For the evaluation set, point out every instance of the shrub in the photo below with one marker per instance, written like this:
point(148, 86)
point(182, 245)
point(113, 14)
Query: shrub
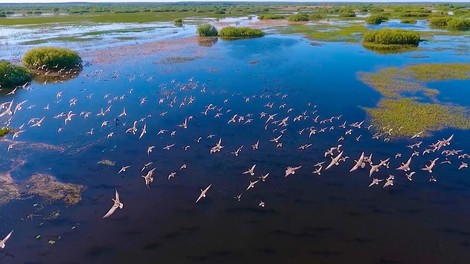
point(206, 30)
point(439, 21)
point(389, 36)
point(178, 21)
point(299, 17)
point(375, 19)
point(51, 58)
point(347, 13)
point(459, 24)
point(240, 32)
point(13, 75)
point(271, 16)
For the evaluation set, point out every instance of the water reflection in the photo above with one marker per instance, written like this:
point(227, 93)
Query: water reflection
point(207, 41)
point(55, 77)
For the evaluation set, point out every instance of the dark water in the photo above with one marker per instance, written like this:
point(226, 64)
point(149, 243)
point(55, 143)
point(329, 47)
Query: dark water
point(332, 218)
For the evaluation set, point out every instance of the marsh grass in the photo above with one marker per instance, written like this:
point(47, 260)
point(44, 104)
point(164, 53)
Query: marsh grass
point(390, 39)
point(407, 117)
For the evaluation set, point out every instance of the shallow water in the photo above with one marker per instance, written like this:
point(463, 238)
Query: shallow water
point(332, 218)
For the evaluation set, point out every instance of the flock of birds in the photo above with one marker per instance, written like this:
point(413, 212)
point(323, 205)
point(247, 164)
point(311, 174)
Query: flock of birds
point(277, 119)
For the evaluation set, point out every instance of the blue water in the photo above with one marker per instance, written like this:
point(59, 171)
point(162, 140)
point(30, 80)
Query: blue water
point(332, 218)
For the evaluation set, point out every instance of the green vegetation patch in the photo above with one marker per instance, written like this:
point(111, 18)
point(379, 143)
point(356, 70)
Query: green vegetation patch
point(349, 33)
point(406, 117)
point(240, 32)
point(62, 39)
point(13, 75)
point(51, 58)
point(388, 36)
point(459, 24)
point(271, 16)
point(439, 71)
point(299, 17)
point(439, 22)
point(206, 30)
point(347, 13)
point(50, 188)
point(376, 19)
point(408, 21)
point(4, 131)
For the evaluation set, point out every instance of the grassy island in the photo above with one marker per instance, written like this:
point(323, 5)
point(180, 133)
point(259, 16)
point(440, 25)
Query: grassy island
point(52, 59)
point(207, 30)
point(390, 39)
point(13, 75)
point(240, 32)
point(375, 19)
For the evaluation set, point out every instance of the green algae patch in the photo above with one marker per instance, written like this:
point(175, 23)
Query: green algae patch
point(406, 117)
point(50, 188)
point(8, 189)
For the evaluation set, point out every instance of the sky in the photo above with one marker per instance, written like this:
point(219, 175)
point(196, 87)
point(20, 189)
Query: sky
point(160, 1)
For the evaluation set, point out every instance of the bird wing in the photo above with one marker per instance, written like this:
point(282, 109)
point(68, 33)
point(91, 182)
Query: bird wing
point(110, 212)
point(117, 196)
point(7, 237)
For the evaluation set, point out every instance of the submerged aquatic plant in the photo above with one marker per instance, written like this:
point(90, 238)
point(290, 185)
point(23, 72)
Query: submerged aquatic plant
point(8, 189)
point(107, 163)
point(48, 187)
